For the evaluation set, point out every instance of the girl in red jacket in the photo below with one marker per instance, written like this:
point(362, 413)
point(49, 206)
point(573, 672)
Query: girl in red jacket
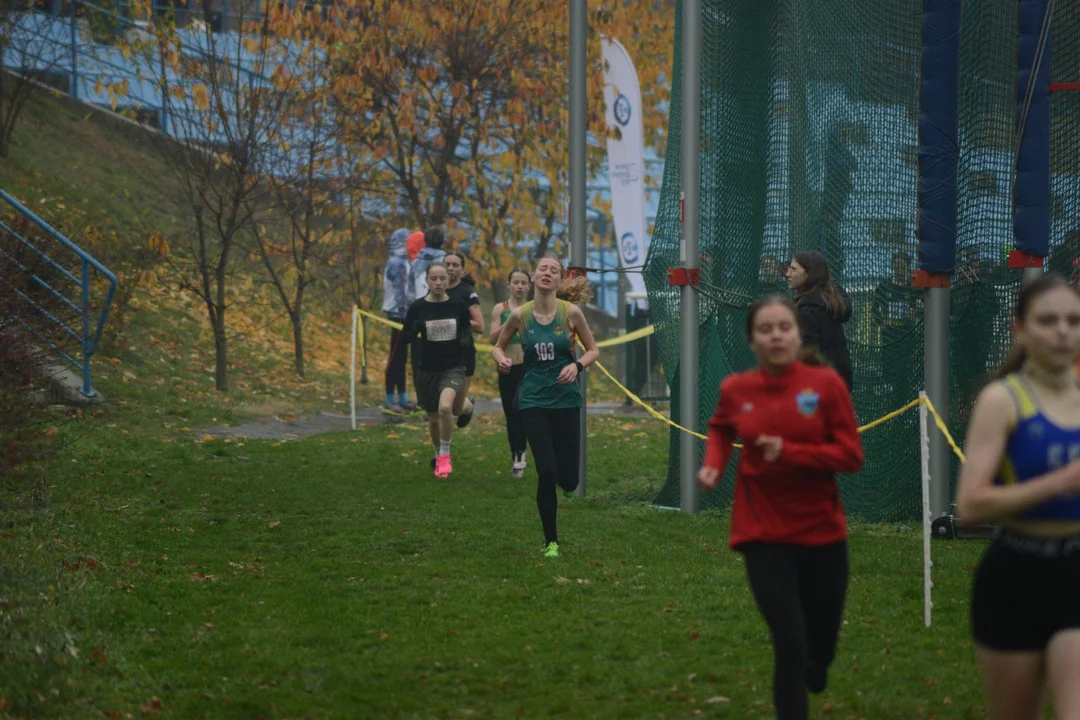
point(796, 422)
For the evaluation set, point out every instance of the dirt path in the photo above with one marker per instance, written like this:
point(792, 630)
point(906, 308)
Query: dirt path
point(278, 429)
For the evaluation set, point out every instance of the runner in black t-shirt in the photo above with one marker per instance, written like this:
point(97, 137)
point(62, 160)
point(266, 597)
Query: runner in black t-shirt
point(463, 288)
point(442, 324)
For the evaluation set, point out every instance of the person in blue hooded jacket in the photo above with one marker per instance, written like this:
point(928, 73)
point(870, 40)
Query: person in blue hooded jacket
point(396, 301)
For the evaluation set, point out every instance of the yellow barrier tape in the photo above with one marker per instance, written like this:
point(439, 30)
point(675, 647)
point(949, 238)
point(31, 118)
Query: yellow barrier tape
point(380, 318)
point(646, 331)
point(655, 413)
point(486, 347)
point(944, 430)
point(360, 338)
point(869, 426)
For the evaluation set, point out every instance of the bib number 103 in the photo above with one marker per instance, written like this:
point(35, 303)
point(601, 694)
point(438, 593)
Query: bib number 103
point(545, 351)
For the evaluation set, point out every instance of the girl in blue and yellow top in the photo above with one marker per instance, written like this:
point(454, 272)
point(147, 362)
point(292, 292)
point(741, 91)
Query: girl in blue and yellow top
point(519, 284)
point(1023, 473)
point(549, 397)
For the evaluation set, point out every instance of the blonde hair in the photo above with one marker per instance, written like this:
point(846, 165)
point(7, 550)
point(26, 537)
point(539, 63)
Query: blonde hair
point(573, 289)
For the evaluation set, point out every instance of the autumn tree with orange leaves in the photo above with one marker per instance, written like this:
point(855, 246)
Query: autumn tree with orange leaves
point(305, 237)
point(224, 109)
point(464, 104)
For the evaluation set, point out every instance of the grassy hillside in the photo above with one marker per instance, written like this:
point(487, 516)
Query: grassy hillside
point(104, 183)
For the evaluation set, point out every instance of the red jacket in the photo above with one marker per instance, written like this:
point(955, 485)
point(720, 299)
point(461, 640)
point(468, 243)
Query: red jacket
point(796, 498)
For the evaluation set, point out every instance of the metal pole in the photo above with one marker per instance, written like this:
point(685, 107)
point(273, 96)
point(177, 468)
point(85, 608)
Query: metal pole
point(1029, 274)
point(927, 523)
point(352, 369)
point(87, 350)
point(74, 52)
point(579, 26)
point(689, 499)
point(622, 317)
point(936, 379)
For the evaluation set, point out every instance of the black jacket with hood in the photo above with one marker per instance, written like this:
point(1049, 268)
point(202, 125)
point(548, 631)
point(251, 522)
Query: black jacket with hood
point(825, 331)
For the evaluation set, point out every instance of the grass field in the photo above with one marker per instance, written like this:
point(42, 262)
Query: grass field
point(176, 577)
point(150, 572)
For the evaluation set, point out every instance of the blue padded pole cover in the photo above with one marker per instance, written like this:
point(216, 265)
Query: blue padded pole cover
point(1031, 191)
point(939, 147)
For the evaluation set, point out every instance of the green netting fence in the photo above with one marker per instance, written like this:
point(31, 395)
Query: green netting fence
point(809, 122)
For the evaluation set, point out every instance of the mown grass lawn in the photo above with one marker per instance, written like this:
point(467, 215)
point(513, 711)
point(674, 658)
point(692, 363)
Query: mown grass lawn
point(333, 577)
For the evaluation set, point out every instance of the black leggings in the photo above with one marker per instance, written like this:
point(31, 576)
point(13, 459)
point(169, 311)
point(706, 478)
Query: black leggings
point(508, 389)
point(395, 366)
point(555, 439)
point(800, 591)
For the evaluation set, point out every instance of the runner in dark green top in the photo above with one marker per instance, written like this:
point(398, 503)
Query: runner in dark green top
point(549, 398)
point(519, 284)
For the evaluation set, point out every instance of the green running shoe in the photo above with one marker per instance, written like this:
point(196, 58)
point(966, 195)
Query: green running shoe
point(551, 550)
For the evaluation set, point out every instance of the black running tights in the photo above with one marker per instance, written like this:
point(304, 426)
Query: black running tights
point(395, 366)
point(508, 388)
point(800, 592)
point(555, 439)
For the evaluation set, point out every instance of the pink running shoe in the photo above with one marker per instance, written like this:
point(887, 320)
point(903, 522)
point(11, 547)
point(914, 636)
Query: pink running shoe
point(442, 467)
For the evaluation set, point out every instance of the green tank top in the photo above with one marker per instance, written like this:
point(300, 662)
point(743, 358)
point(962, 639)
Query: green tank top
point(548, 349)
point(516, 340)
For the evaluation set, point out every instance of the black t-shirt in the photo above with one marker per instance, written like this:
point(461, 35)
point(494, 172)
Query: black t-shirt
point(443, 329)
point(466, 293)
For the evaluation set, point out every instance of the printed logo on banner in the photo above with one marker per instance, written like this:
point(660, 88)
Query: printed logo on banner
point(622, 110)
point(629, 248)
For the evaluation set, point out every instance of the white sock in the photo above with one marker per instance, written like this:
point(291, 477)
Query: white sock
point(444, 447)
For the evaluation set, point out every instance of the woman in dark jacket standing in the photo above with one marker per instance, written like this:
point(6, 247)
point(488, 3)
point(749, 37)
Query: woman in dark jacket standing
point(824, 307)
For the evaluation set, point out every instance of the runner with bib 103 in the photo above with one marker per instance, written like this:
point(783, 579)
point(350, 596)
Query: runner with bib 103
point(549, 398)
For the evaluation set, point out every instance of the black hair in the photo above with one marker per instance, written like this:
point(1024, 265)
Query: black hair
point(435, 237)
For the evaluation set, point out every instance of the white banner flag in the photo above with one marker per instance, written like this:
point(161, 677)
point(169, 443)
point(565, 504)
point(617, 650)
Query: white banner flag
point(626, 160)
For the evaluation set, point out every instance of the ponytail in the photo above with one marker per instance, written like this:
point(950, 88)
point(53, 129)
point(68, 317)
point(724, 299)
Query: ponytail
point(575, 289)
point(810, 355)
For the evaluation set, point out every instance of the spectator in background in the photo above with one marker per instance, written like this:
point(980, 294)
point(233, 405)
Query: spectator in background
point(434, 239)
point(823, 307)
point(396, 302)
point(894, 312)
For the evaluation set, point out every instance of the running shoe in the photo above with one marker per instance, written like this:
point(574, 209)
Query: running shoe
point(518, 467)
point(394, 409)
point(463, 420)
point(551, 550)
point(409, 407)
point(442, 467)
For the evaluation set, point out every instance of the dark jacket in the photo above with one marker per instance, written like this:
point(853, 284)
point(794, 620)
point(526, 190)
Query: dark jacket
point(824, 331)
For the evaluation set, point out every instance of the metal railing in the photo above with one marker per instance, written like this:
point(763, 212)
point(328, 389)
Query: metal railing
point(90, 318)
